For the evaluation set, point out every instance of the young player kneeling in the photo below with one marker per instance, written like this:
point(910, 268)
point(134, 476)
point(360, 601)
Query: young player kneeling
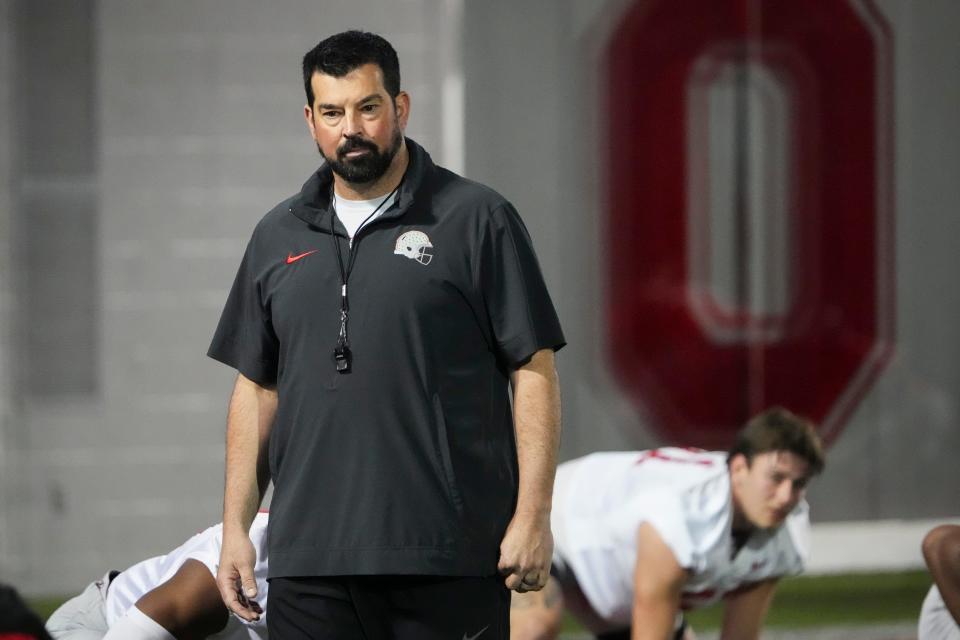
point(173, 596)
point(642, 536)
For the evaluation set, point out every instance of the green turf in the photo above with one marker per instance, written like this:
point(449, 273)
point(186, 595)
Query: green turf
point(813, 601)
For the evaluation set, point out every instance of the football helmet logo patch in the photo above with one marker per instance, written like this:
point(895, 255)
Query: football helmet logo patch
point(416, 246)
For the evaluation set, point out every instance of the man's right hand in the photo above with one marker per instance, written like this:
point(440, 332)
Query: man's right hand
point(235, 579)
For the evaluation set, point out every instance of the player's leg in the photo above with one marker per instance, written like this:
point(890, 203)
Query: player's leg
point(575, 602)
point(536, 615)
point(186, 606)
point(81, 617)
point(136, 624)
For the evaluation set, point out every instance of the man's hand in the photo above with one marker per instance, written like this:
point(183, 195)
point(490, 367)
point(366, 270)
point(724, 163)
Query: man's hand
point(527, 545)
point(249, 421)
point(526, 552)
point(235, 580)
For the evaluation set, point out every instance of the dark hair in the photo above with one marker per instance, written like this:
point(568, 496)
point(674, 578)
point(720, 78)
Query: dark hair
point(340, 54)
point(777, 429)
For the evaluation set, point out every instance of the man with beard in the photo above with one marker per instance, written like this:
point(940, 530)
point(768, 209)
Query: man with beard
point(377, 321)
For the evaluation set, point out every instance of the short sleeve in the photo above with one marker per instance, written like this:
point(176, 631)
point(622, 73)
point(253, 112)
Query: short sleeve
point(521, 314)
point(245, 339)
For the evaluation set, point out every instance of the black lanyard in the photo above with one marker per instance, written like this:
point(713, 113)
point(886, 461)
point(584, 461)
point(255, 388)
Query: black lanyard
point(342, 357)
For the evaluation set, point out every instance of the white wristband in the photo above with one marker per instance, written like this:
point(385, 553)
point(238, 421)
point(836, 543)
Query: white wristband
point(136, 625)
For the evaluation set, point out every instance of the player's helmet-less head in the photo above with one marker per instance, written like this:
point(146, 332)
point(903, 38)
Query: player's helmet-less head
point(416, 246)
point(777, 429)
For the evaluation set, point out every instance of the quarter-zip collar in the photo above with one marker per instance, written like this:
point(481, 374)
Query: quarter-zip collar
point(313, 204)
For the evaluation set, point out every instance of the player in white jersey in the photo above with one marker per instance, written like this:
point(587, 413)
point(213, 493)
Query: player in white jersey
point(642, 536)
point(173, 596)
point(940, 612)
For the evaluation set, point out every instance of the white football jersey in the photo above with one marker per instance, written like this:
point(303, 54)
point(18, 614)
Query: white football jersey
point(133, 583)
point(601, 500)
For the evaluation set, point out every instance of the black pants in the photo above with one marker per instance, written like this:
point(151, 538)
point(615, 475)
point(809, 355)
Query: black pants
point(388, 608)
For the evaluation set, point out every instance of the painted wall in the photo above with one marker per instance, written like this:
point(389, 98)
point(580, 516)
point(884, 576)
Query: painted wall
point(535, 129)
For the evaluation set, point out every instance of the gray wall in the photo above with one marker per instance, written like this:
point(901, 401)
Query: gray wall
point(195, 130)
point(7, 121)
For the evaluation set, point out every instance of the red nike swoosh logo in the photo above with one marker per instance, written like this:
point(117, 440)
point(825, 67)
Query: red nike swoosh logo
point(292, 258)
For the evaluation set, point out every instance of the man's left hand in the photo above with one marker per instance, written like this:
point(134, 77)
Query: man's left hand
point(526, 552)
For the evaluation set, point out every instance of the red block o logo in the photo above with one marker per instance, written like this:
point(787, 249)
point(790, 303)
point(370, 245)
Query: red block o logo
point(750, 229)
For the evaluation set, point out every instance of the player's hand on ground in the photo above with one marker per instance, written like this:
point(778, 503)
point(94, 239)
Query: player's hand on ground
point(235, 578)
point(526, 552)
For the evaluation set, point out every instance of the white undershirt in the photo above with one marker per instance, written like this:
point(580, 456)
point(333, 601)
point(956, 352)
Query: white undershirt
point(353, 213)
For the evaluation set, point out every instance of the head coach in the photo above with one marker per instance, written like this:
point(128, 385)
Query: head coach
point(378, 322)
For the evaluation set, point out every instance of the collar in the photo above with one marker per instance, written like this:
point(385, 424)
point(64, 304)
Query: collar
point(313, 204)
